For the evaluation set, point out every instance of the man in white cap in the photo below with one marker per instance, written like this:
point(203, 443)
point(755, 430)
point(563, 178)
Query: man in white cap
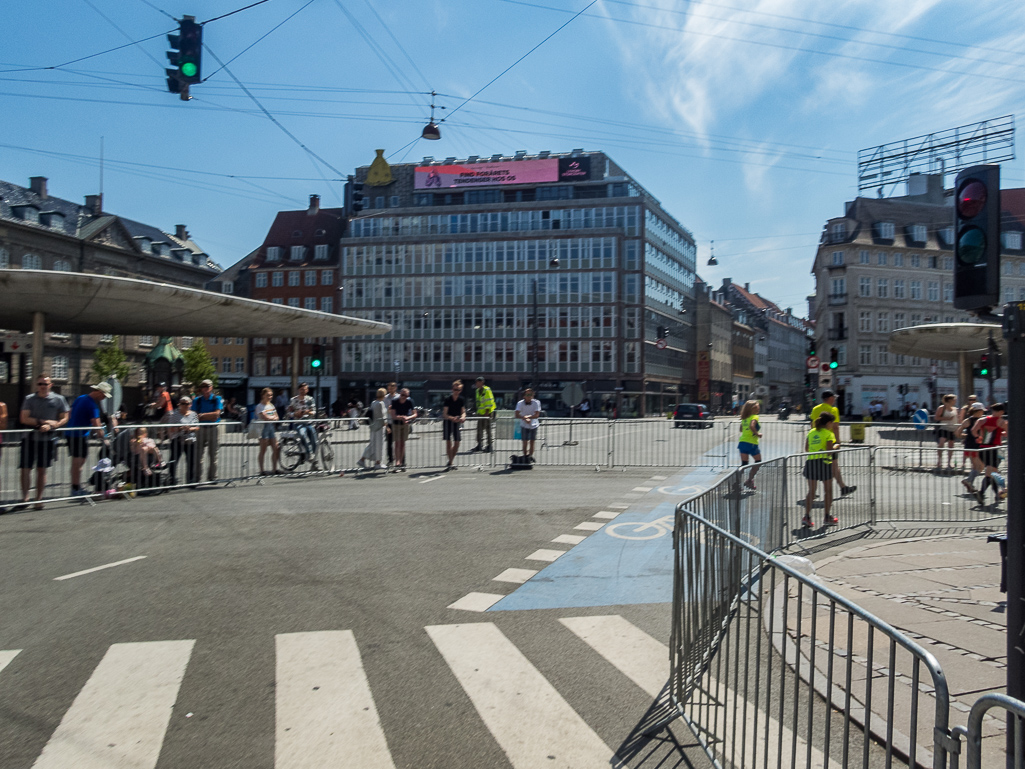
point(85, 413)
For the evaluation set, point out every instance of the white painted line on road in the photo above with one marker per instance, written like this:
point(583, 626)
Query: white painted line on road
point(476, 602)
point(643, 488)
point(544, 555)
point(619, 507)
point(436, 477)
point(99, 568)
point(528, 718)
point(589, 526)
point(606, 514)
point(325, 714)
point(120, 716)
point(659, 477)
point(569, 539)
point(645, 661)
point(7, 656)
point(517, 576)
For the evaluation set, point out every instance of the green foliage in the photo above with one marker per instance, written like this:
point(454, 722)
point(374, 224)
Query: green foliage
point(198, 365)
point(109, 361)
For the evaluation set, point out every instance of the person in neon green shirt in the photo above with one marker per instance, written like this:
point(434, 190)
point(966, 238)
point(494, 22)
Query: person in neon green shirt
point(819, 445)
point(750, 433)
point(828, 406)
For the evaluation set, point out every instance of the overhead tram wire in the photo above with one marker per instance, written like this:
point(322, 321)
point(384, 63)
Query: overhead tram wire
point(398, 45)
point(781, 46)
point(114, 24)
point(158, 10)
point(90, 56)
point(259, 39)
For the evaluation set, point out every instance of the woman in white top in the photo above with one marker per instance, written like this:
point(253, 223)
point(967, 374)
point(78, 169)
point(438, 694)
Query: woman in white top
point(527, 411)
point(267, 415)
point(946, 427)
point(377, 416)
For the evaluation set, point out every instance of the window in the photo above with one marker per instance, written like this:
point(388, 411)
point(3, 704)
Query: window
point(881, 258)
point(225, 365)
point(916, 319)
point(213, 339)
point(883, 288)
point(187, 342)
point(932, 262)
point(948, 263)
point(5, 259)
point(883, 355)
point(916, 261)
point(146, 341)
point(838, 286)
point(297, 253)
point(259, 366)
point(898, 260)
point(919, 233)
point(327, 304)
point(883, 323)
point(837, 259)
point(898, 289)
point(277, 300)
point(948, 292)
point(31, 262)
point(274, 253)
point(379, 201)
point(1008, 293)
point(275, 366)
point(1021, 269)
point(327, 277)
point(393, 201)
point(947, 236)
point(864, 355)
point(841, 354)
point(293, 301)
point(293, 277)
point(320, 252)
point(310, 303)
point(62, 265)
point(886, 230)
point(240, 340)
point(59, 367)
point(227, 340)
point(916, 289)
point(277, 279)
point(864, 257)
point(227, 287)
point(106, 338)
point(261, 280)
point(837, 232)
point(898, 320)
point(310, 278)
point(240, 365)
point(933, 294)
point(865, 321)
point(864, 286)
point(1012, 240)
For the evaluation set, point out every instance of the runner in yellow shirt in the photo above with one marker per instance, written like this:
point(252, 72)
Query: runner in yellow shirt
point(750, 433)
point(818, 467)
point(828, 406)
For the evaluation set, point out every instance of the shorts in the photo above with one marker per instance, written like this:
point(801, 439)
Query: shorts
point(749, 448)
point(450, 430)
point(400, 431)
point(528, 433)
point(78, 444)
point(267, 432)
point(990, 457)
point(35, 453)
point(818, 470)
point(943, 434)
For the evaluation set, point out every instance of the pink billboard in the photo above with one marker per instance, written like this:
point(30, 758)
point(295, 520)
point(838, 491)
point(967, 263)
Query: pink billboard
point(486, 174)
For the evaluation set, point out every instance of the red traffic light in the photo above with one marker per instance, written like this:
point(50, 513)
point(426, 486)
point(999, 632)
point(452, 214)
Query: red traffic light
point(971, 198)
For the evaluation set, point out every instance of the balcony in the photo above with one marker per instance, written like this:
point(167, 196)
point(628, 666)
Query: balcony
point(837, 334)
point(838, 298)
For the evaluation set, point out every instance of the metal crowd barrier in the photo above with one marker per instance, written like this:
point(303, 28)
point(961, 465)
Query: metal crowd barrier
point(973, 734)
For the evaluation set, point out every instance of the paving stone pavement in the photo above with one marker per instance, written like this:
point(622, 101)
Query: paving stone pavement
point(944, 593)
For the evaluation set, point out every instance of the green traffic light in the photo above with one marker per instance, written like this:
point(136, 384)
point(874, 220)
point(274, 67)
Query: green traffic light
point(315, 363)
point(983, 372)
point(833, 364)
point(189, 69)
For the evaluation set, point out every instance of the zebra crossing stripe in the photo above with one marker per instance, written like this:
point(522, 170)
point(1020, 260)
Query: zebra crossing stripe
point(119, 718)
point(645, 661)
point(528, 718)
point(325, 713)
point(7, 656)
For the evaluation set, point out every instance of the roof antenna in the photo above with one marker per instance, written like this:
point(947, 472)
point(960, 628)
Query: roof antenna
point(431, 130)
point(712, 261)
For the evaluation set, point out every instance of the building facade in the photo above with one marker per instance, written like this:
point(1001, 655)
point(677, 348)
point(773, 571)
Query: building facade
point(714, 370)
point(547, 268)
point(888, 264)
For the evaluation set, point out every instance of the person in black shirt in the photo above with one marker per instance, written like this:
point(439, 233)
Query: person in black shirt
point(403, 414)
point(453, 414)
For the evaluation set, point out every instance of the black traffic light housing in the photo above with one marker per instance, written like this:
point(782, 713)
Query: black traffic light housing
point(317, 359)
point(977, 238)
point(834, 355)
point(357, 201)
point(661, 332)
point(185, 56)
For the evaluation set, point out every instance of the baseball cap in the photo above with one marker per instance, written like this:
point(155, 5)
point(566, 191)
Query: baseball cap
point(479, 379)
point(206, 382)
point(104, 388)
point(976, 407)
point(827, 393)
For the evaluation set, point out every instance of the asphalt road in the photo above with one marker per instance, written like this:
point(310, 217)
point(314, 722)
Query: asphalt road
point(275, 593)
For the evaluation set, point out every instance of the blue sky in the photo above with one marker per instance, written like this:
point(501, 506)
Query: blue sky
point(743, 118)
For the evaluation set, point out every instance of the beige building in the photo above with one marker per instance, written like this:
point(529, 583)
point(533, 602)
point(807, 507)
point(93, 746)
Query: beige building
point(714, 371)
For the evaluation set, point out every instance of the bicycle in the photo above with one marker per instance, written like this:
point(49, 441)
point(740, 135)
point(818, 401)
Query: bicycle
point(293, 451)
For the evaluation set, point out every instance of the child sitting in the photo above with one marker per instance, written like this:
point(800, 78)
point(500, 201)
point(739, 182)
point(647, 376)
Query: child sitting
point(145, 447)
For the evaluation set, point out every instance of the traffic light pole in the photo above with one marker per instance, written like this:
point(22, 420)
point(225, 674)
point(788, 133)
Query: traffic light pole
point(1014, 331)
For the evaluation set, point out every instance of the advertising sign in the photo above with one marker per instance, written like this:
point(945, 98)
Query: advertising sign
point(704, 369)
point(574, 169)
point(487, 174)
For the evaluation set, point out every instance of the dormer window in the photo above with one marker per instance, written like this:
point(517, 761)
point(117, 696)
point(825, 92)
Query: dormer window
point(947, 236)
point(298, 253)
point(26, 212)
point(886, 230)
point(273, 253)
point(297, 233)
point(320, 251)
point(837, 232)
point(1012, 240)
point(919, 233)
point(52, 219)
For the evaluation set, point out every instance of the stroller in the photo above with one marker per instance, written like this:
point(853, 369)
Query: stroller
point(120, 470)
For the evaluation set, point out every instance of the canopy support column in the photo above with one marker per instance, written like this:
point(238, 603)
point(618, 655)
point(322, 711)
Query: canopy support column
point(38, 332)
point(295, 366)
point(965, 380)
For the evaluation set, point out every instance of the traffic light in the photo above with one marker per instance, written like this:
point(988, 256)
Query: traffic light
point(977, 238)
point(811, 349)
point(318, 357)
point(983, 368)
point(185, 56)
point(358, 201)
point(834, 354)
point(661, 332)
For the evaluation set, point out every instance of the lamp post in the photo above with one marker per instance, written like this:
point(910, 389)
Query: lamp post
point(534, 335)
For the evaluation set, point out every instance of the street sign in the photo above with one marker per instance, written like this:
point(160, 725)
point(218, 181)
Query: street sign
point(920, 418)
point(825, 380)
point(661, 344)
point(812, 361)
point(14, 342)
point(572, 394)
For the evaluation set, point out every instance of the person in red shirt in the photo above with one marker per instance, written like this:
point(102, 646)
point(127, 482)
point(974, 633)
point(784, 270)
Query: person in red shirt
point(989, 433)
point(161, 404)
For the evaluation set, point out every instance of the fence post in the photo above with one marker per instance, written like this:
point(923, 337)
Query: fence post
point(784, 505)
point(610, 459)
point(872, 485)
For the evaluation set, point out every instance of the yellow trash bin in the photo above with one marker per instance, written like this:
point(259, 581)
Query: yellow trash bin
point(857, 432)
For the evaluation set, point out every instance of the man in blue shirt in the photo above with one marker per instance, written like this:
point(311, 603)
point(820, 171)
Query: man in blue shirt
point(208, 406)
point(85, 412)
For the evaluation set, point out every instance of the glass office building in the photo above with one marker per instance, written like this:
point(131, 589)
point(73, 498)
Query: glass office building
point(545, 269)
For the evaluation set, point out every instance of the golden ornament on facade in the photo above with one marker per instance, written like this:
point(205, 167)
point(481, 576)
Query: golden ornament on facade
point(380, 171)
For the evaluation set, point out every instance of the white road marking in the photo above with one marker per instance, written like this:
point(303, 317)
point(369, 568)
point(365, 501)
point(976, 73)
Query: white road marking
point(633, 496)
point(544, 555)
point(645, 661)
point(619, 507)
point(7, 656)
point(517, 576)
point(643, 488)
point(606, 514)
point(99, 568)
point(436, 477)
point(528, 718)
point(325, 714)
point(119, 719)
point(476, 601)
point(658, 477)
point(569, 539)
point(589, 526)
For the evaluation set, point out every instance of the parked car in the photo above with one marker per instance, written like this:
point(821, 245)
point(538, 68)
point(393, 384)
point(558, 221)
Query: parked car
point(692, 415)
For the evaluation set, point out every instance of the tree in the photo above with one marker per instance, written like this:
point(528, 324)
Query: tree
point(198, 365)
point(109, 361)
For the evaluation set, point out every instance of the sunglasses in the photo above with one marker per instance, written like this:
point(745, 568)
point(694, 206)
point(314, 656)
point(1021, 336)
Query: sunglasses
point(42, 384)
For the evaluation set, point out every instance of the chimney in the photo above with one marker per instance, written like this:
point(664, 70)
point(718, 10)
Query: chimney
point(747, 287)
point(95, 204)
point(180, 232)
point(314, 208)
point(38, 185)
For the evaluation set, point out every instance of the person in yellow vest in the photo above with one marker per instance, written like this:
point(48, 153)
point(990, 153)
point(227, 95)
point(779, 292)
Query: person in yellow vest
point(818, 466)
point(828, 406)
point(750, 434)
point(484, 401)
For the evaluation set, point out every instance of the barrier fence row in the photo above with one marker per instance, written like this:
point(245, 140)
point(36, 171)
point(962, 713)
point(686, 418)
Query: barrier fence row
point(771, 668)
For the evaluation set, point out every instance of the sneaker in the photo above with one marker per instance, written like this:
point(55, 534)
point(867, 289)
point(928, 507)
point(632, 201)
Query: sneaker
point(848, 490)
point(314, 467)
point(750, 485)
point(488, 450)
point(830, 520)
point(807, 522)
point(478, 447)
point(968, 486)
point(980, 498)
